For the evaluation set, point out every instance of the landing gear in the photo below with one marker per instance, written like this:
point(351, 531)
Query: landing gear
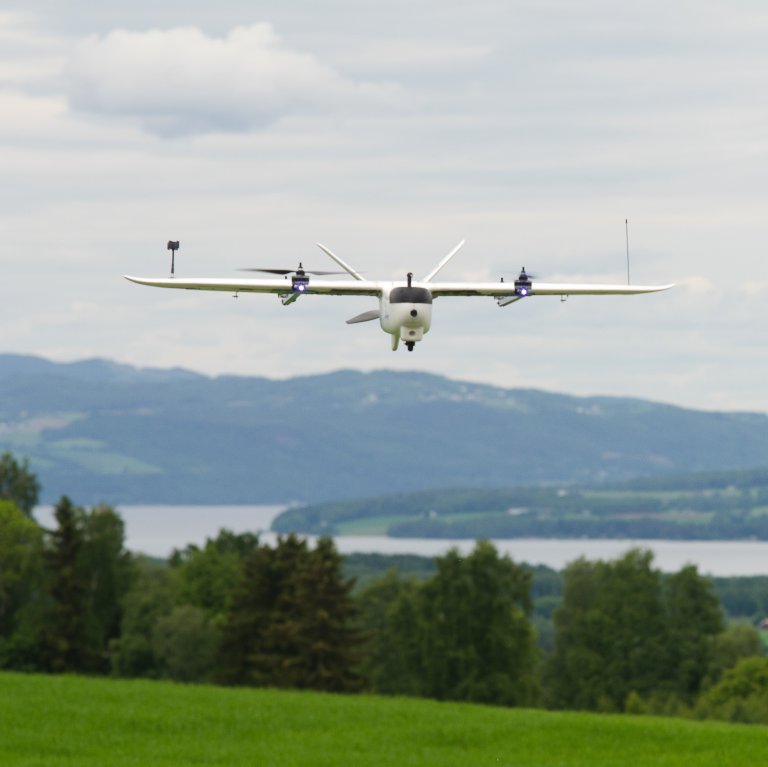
point(410, 345)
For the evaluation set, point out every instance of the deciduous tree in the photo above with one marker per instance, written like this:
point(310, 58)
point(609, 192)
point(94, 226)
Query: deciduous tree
point(694, 619)
point(740, 696)
point(464, 634)
point(150, 598)
point(389, 613)
point(623, 628)
point(17, 483)
point(610, 634)
point(21, 544)
point(107, 571)
point(184, 644)
point(733, 644)
point(206, 576)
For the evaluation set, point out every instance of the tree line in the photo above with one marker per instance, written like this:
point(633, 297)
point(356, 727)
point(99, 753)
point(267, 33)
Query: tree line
point(237, 611)
point(710, 511)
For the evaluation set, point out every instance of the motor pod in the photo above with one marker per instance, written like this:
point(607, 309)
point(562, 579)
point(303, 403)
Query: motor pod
point(523, 284)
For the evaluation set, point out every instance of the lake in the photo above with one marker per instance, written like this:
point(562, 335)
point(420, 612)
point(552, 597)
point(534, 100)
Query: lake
point(157, 530)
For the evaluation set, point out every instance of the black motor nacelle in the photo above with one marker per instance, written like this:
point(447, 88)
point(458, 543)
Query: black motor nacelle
point(299, 280)
point(523, 284)
point(299, 283)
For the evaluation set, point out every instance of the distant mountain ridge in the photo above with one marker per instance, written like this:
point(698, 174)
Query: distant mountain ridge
point(98, 430)
point(94, 370)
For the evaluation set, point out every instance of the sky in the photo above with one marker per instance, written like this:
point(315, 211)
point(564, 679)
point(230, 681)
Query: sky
point(390, 132)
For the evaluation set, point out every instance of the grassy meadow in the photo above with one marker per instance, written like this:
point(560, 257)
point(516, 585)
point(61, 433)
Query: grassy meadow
point(52, 721)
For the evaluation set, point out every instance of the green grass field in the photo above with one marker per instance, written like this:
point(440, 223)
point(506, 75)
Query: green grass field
point(52, 721)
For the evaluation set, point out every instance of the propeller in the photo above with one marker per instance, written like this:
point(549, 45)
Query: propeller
point(523, 274)
point(299, 270)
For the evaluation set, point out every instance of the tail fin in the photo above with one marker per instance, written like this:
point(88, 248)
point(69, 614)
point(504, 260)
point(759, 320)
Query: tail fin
point(344, 266)
point(429, 277)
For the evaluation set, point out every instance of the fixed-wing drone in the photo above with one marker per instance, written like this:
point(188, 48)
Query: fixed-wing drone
point(405, 307)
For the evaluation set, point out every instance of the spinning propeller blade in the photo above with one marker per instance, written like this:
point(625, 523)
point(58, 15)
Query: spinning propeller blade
point(299, 270)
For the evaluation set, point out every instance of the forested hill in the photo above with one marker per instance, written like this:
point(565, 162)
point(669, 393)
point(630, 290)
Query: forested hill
point(97, 430)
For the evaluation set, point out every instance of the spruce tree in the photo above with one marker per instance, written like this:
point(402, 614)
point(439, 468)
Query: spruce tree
point(63, 635)
point(290, 621)
point(328, 643)
point(88, 574)
point(250, 605)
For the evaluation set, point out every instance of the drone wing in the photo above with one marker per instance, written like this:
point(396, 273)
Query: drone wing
point(510, 290)
point(319, 287)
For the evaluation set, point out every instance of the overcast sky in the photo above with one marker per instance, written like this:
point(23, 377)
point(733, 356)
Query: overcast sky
point(389, 132)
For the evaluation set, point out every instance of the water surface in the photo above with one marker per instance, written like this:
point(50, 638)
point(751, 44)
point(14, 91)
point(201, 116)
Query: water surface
point(157, 530)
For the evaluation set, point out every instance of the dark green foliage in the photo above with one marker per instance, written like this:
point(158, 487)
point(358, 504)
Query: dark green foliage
point(330, 644)
point(694, 618)
point(389, 612)
point(251, 650)
point(745, 597)
point(464, 634)
point(184, 645)
point(744, 479)
point(712, 511)
point(366, 568)
point(479, 644)
point(88, 572)
point(291, 621)
point(172, 619)
point(622, 628)
point(206, 576)
point(63, 635)
point(150, 598)
point(18, 484)
point(107, 570)
point(734, 525)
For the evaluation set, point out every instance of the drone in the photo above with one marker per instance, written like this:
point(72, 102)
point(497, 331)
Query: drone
point(405, 306)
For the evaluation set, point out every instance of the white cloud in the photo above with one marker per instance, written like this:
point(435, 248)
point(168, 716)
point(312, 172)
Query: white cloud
point(28, 57)
point(181, 81)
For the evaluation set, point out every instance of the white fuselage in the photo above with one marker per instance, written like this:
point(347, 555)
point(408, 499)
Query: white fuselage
point(405, 313)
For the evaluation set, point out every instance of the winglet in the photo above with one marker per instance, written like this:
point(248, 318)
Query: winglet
point(434, 272)
point(344, 266)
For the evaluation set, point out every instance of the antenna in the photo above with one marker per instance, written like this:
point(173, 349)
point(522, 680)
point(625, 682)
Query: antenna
point(173, 247)
point(626, 233)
